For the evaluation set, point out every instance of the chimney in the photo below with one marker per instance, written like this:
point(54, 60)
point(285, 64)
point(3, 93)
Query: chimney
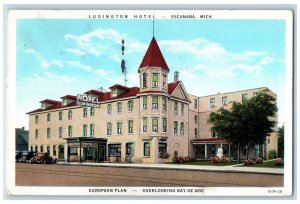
point(176, 76)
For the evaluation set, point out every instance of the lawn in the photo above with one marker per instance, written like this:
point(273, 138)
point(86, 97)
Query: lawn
point(208, 163)
point(267, 164)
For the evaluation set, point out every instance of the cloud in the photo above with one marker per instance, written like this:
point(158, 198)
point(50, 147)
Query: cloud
point(44, 64)
point(212, 59)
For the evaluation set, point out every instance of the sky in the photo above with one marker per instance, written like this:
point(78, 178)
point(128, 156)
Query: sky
point(56, 57)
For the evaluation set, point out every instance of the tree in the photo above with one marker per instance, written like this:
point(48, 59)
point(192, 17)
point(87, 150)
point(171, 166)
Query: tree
point(281, 142)
point(246, 123)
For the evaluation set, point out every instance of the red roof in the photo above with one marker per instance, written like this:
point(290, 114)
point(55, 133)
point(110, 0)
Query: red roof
point(118, 86)
point(69, 97)
point(93, 91)
point(49, 101)
point(54, 106)
point(154, 57)
point(128, 93)
point(172, 86)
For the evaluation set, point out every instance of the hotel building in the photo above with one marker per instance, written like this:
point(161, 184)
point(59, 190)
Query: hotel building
point(144, 124)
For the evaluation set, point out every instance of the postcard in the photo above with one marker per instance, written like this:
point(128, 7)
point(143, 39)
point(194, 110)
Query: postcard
point(149, 102)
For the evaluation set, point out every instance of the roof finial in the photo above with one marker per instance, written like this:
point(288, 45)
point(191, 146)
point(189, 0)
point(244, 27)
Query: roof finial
point(153, 28)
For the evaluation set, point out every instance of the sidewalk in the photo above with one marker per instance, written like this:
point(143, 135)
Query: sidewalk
point(181, 167)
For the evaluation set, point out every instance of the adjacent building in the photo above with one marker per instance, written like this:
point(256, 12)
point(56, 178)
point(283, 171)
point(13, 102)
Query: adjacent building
point(21, 139)
point(145, 124)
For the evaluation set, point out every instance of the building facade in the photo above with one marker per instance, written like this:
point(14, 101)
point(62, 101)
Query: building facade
point(145, 124)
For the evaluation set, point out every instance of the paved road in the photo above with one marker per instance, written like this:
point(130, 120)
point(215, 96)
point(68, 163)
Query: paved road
point(67, 175)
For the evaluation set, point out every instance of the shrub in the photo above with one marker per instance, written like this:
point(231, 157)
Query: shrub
point(278, 162)
point(218, 160)
point(258, 160)
point(272, 154)
point(248, 162)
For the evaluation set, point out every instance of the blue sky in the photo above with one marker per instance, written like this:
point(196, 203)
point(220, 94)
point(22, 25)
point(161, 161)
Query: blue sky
point(58, 57)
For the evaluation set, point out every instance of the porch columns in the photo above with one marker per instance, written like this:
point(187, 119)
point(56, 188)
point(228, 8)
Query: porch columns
point(205, 151)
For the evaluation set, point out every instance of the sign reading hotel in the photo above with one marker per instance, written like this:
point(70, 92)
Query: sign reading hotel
point(87, 101)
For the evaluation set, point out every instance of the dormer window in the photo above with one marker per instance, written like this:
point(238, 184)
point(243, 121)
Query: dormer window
point(42, 105)
point(114, 93)
point(64, 102)
point(155, 80)
point(144, 80)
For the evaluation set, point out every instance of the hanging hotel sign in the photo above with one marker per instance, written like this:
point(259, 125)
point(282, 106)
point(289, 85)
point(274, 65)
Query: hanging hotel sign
point(87, 101)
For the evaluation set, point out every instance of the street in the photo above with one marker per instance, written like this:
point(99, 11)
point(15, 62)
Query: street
point(72, 175)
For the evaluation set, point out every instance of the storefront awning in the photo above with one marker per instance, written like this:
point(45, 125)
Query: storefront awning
point(209, 141)
point(85, 139)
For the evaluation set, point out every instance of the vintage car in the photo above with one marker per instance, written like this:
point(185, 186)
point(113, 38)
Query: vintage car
point(24, 156)
point(43, 158)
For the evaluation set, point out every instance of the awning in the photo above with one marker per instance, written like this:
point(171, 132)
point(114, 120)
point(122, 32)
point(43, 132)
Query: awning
point(213, 140)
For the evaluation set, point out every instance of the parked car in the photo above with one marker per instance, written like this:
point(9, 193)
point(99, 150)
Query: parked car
point(24, 156)
point(43, 158)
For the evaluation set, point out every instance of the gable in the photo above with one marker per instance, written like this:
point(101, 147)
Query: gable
point(180, 93)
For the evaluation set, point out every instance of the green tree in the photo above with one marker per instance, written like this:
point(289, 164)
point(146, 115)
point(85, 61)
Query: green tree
point(246, 123)
point(281, 142)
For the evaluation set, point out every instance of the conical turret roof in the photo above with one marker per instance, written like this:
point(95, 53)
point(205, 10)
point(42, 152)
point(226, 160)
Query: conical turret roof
point(154, 57)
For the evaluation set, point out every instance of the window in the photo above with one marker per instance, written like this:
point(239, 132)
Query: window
point(154, 125)
point(92, 129)
point(195, 103)
point(144, 80)
point(60, 132)
point(164, 103)
point(196, 119)
point(144, 102)
point(182, 108)
point(224, 101)
point(42, 148)
point(31, 148)
point(48, 149)
point(244, 96)
point(130, 105)
point(64, 102)
point(85, 112)
point(130, 126)
point(129, 149)
point(84, 130)
point(92, 112)
point(255, 94)
point(175, 107)
point(164, 124)
point(70, 131)
point(36, 119)
point(48, 133)
point(144, 124)
point(36, 148)
point(154, 102)
point(70, 115)
point(212, 102)
point(147, 149)
point(54, 150)
point(164, 84)
point(43, 106)
point(175, 127)
point(48, 117)
point(155, 80)
point(119, 127)
point(119, 107)
point(114, 150)
point(36, 133)
point(181, 128)
point(113, 92)
point(162, 149)
point(196, 133)
point(60, 115)
point(108, 108)
point(109, 127)
point(269, 141)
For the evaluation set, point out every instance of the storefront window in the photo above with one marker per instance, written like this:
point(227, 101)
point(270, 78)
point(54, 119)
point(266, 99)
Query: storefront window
point(114, 150)
point(146, 149)
point(162, 149)
point(54, 150)
point(129, 149)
